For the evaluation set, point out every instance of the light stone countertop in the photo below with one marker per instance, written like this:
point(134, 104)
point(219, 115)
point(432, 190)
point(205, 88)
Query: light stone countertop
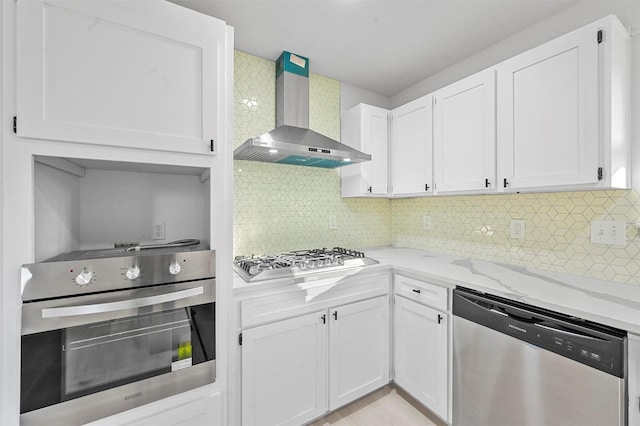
point(606, 302)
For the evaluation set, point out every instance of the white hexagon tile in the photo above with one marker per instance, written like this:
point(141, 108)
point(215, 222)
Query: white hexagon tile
point(279, 207)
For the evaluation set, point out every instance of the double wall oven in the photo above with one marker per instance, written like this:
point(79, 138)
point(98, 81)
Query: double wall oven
point(104, 331)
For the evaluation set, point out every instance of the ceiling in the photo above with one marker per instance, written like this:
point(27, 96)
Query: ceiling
point(380, 45)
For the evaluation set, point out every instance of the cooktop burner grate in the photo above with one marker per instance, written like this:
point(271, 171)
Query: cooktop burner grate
point(299, 262)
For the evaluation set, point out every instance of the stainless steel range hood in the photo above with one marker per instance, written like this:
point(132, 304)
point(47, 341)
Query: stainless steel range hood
point(292, 142)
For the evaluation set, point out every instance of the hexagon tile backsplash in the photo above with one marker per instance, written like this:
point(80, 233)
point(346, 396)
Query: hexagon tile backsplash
point(557, 230)
point(279, 208)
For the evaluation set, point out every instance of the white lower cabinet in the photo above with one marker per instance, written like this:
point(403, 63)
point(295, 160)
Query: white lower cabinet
point(421, 349)
point(296, 369)
point(284, 371)
point(358, 350)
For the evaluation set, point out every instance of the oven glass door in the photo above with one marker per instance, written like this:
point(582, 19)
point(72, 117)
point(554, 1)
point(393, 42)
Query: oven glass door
point(64, 364)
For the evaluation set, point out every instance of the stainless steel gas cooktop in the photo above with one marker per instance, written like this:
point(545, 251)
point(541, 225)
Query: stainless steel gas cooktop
point(300, 262)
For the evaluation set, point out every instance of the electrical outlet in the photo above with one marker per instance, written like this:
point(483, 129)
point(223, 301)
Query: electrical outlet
point(333, 222)
point(517, 229)
point(426, 222)
point(158, 231)
point(609, 232)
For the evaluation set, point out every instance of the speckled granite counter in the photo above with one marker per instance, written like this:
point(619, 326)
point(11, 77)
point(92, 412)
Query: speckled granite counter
point(606, 302)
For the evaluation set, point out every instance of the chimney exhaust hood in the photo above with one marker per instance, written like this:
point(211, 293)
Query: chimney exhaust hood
point(292, 142)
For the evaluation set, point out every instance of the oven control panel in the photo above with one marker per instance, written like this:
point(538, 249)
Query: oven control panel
point(74, 277)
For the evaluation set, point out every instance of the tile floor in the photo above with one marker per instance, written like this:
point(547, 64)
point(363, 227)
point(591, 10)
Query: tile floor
point(387, 406)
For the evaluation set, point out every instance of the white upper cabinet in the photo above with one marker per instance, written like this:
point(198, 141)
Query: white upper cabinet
point(412, 147)
point(365, 128)
point(563, 112)
point(465, 135)
point(131, 74)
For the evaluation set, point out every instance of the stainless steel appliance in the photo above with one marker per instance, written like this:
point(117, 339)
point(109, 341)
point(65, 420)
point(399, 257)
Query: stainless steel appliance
point(105, 331)
point(515, 364)
point(299, 263)
point(292, 142)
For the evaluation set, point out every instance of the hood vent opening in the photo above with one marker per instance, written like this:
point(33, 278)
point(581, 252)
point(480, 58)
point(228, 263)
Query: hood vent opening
point(292, 142)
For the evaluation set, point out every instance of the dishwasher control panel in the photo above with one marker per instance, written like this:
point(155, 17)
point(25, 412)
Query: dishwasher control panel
point(588, 343)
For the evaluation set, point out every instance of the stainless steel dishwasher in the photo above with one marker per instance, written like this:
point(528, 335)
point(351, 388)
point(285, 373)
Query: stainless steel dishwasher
point(518, 365)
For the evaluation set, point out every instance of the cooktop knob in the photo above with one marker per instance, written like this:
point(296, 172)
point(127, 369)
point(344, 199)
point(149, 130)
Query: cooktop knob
point(175, 268)
point(84, 277)
point(133, 272)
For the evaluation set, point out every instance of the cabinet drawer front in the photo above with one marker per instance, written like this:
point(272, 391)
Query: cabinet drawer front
point(422, 292)
point(291, 302)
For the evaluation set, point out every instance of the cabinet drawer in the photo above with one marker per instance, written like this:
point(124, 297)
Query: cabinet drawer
point(422, 292)
point(291, 302)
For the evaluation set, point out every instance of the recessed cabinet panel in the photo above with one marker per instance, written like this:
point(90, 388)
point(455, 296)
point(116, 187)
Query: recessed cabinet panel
point(376, 171)
point(284, 371)
point(139, 74)
point(412, 148)
point(420, 353)
point(358, 350)
point(465, 141)
point(549, 114)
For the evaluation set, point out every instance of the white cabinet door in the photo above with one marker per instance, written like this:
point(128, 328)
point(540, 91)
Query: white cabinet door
point(412, 147)
point(284, 371)
point(365, 127)
point(358, 350)
point(420, 353)
point(548, 114)
point(465, 135)
point(143, 74)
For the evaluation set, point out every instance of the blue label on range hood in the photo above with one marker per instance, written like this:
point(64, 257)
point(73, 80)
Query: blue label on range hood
point(303, 160)
point(292, 63)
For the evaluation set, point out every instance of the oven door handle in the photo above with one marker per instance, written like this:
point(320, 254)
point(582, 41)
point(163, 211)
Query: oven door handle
point(68, 311)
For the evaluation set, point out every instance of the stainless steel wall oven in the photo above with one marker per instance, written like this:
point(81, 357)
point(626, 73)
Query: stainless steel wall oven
point(104, 331)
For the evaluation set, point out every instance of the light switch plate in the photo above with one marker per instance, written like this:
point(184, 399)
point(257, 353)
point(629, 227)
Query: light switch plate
point(609, 232)
point(426, 222)
point(333, 222)
point(517, 229)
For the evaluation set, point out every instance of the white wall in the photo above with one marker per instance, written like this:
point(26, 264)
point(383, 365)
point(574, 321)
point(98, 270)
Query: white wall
point(351, 96)
point(123, 206)
point(106, 206)
point(57, 212)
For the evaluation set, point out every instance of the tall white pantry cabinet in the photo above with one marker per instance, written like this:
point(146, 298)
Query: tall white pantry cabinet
point(124, 84)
